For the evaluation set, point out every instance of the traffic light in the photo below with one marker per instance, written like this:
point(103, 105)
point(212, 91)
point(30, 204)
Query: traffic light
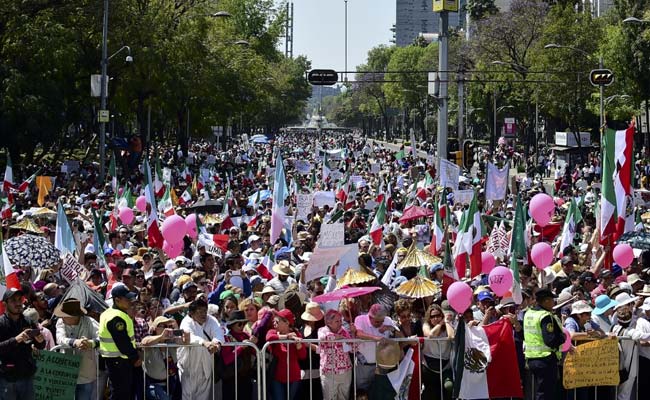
point(603, 77)
point(458, 158)
point(468, 154)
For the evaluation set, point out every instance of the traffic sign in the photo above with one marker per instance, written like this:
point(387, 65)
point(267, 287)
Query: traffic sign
point(322, 77)
point(103, 116)
point(601, 77)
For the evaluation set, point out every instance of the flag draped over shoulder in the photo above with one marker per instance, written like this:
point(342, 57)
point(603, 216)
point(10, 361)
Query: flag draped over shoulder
point(503, 370)
point(616, 203)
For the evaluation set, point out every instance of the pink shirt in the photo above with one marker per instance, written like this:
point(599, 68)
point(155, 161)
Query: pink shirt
point(333, 358)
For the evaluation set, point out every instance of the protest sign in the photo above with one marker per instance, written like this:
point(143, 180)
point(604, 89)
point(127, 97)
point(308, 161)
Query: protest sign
point(322, 198)
point(323, 259)
point(336, 174)
point(302, 166)
point(592, 364)
point(303, 204)
point(375, 168)
point(331, 235)
point(56, 375)
point(71, 268)
point(449, 174)
point(463, 196)
point(496, 183)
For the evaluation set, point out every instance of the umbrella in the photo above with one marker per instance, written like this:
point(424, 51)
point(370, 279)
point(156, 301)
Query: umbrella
point(32, 251)
point(91, 301)
point(212, 219)
point(418, 258)
point(415, 212)
point(44, 212)
point(207, 206)
point(354, 277)
point(27, 225)
point(638, 240)
point(418, 288)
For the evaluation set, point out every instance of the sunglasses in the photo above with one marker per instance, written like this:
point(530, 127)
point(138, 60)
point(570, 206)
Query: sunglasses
point(435, 316)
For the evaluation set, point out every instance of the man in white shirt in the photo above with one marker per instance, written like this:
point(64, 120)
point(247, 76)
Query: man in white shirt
point(376, 325)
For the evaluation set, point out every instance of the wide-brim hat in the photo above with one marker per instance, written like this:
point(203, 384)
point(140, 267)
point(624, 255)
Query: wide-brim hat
point(604, 303)
point(580, 307)
point(312, 312)
point(69, 308)
point(235, 317)
point(160, 320)
point(563, 299)
point(624, 299)
point(283, 268)
point(645, 292)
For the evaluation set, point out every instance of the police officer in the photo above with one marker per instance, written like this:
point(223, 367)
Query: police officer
point(543, 337)
point(117, 343)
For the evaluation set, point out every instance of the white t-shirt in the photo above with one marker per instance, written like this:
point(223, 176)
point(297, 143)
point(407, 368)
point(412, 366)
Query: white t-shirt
point(368, 350)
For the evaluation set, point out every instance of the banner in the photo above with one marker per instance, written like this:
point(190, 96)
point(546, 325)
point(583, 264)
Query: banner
point(71, 269)
point(496, 183)
point(331, 235)
point(504, 361)
point(303, 205)
point(56, 375)
point(302, 166)
point(592, 364)
point(449, 174)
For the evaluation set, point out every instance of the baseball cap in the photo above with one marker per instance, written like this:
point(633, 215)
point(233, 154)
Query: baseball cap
point(253, 238)
point(11, 292)
point(485, 295)
point(122, 291)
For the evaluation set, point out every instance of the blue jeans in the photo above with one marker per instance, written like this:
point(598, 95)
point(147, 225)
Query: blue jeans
point(279, 390)
point(22, 389)
point(157, 391)
point(84, 391)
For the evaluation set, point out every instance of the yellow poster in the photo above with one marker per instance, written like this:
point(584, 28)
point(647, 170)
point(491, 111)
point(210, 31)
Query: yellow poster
point(445, 5)
point(592, 364)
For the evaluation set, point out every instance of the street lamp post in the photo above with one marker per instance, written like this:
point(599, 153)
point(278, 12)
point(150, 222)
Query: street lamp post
point(634, 20)
point(346, 41)
point(102, 95)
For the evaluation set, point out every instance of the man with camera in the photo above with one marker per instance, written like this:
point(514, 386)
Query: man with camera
point(17, 336)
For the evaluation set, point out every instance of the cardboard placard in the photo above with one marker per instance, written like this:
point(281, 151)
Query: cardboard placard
point(71, 269)
point(303, 204)
point(449, 174)
point(331, 235)
point(592, 364)
point(56, 375)
point(322, 198)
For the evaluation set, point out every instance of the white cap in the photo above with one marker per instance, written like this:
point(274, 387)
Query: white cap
point(253, 238)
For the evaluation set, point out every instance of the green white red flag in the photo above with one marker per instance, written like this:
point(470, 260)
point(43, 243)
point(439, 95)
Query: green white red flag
point(9, 175)
point(154, 236)
point(377, 228)
point(469, 240)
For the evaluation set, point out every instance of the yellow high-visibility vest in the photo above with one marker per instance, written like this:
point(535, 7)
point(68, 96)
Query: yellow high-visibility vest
point(533, 339)
point(107, 346)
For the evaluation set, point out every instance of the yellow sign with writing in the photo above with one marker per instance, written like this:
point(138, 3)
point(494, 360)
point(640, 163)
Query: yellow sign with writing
point(445, 5)
point(592, 364)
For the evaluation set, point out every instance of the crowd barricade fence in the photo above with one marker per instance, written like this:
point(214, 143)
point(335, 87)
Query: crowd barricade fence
point(262, 359)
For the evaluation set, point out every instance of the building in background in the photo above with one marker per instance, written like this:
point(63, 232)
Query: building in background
point(413, 17)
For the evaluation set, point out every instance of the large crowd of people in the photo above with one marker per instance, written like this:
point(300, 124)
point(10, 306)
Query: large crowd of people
point(208, 317)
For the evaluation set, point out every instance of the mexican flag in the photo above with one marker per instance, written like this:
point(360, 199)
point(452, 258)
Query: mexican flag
point(343, 188)
point(25, 185)
point(154, 237)
point(159, 186)
point(279, 195)
point(166, 206)
point(226, 222)
point(377, 227)
point(186, 197)
point(112, 172)
point(573, 218)
point(266, 265)
point(517, 250)
point(9, 175)
point(469, 240)
point(8, 277)
point(7, 206)
point(616, 202)
point(435, 247)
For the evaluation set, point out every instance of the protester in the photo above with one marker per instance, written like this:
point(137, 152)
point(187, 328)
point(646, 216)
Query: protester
point(286, 377)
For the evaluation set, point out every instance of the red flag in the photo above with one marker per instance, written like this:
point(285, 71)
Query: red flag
point(503, 370)
point(221, 241)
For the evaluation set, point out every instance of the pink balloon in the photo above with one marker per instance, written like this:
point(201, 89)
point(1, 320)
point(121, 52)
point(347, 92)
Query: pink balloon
point(623, 255)
point(566, 346)
point(174, 228)
point(172, 250)
point(126, 215)
point(542, 208)
point(500, 280)
point(459, 296)
point(541, 254)
point(190, 221)
point(487, 262)
point(141, 203)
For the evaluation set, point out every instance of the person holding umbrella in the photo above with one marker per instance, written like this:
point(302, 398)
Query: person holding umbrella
point(17, 337)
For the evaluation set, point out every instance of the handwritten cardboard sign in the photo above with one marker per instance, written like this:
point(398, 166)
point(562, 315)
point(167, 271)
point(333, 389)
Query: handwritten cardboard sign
point(303, 204)
point(331, 235)
point(592, 364)
point(71, 268)
point(56, 375)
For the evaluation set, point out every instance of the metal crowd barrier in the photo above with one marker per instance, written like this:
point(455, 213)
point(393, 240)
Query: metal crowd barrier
point(263, 381)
